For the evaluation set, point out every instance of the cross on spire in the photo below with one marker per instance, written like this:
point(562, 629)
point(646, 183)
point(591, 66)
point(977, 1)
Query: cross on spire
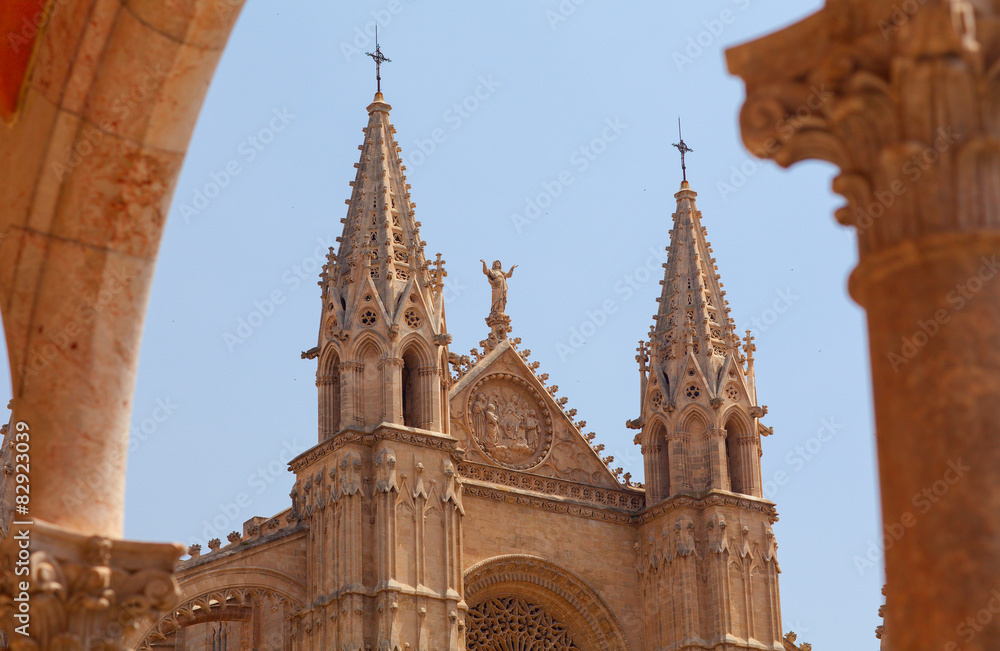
point(683, 148)
point(379, 59)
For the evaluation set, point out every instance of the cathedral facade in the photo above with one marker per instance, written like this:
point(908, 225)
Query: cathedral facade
point(452, 502)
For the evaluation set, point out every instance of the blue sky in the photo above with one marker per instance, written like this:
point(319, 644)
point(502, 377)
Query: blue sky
point(568, 106)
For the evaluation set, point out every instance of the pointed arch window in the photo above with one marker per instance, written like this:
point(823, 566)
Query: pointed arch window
point(414, 400)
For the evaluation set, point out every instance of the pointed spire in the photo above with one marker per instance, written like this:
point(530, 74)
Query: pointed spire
point(381, 238)
point(693, 314)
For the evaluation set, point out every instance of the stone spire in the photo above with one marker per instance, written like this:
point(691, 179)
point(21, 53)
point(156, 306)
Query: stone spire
point(692, 324)
point(381, 239)
point(701, 442)
point(697, 386)
point(382, 342)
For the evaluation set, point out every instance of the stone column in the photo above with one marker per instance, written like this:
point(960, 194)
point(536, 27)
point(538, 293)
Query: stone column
point(680, 473)
point(908, 106)
point(430, 404)
point(715, 443)
point(352, 396)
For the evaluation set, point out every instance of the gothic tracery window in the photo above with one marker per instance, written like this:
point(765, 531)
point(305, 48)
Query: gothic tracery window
point(513, 624)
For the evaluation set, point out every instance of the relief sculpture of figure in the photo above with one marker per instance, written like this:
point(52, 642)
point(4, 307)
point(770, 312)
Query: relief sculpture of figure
point(498, 281)
point(530, 425)
point(492, 425)
point(479, 416)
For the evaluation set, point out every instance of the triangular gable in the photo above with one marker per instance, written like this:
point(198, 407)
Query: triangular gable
point(504, 416)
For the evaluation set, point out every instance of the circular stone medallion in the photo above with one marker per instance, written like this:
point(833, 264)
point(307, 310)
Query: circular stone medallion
point(509, 422)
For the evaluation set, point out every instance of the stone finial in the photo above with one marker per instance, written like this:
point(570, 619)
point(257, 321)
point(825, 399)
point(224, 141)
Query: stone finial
point(234, 537)
point(194, 551)
point(214, 544)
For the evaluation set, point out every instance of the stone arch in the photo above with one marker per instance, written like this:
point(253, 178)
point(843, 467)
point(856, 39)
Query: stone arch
point(659, 466)
point(369, 384)
point(564, 596)
point(65, 235)
point(228, 594)
point(415, 383)
point(694, 468)
point(418, 344)
point(695, 420)
point(329, 385)
point(740, 452)
point(367, 340)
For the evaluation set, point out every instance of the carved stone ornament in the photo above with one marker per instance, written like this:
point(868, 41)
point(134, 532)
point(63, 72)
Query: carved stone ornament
point(84, 592)
point(503, 623)
point(509, 422)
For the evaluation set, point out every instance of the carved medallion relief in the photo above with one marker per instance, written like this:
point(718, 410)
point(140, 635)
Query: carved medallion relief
point(509, 422)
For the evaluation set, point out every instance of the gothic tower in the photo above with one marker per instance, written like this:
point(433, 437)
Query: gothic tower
point(707, 552)
point(380, 491)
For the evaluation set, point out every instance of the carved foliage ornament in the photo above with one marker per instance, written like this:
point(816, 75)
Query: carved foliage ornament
point(905, 106)
point(513, 624)
point(86, 592)
point(509, 422)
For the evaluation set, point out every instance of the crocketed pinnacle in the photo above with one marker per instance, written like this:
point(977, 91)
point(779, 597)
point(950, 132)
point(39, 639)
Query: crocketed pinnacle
point(381, 238)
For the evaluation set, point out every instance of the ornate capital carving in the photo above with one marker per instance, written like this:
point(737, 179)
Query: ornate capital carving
point(424, 371)
point(907, 106)
point(390, 362)
point(676, 435)
point(83, 592)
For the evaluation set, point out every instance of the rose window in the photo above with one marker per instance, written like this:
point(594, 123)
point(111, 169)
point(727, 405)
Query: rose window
point(368, 317)
point(692, 391)
point(511, 623)
point(412, 318)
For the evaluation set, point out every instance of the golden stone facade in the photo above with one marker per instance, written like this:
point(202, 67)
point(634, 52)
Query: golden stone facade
point(452, 502)
point(422, 519)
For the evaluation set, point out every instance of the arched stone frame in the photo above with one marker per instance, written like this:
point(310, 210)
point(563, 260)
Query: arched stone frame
point(225, 594)
point(693, 423)
point(329, 383)
point(367, 383)
point(566, 596)
point(741, 453)
point(415, 384)
point(659, 458)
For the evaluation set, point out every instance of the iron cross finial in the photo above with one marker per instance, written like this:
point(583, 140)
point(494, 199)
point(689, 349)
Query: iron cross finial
point(683, 148)
point(379, 59)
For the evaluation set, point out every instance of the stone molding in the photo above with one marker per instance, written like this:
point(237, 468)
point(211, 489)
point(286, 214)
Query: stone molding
point(556, 488)
point(381, 432)
point(712, 498)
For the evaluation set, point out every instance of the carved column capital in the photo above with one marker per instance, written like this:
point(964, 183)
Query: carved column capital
point(906, 104)
point(676, 435)
point(396, 362)
point(83, 592)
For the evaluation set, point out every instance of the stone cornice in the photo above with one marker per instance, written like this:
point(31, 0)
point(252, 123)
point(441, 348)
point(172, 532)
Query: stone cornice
point(529, 486)
point(552, 504)
point(702, 501)
point(381, 432)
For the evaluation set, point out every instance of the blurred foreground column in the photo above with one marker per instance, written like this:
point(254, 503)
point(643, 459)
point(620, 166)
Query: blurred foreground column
point(905, 98)
point(98, 100)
